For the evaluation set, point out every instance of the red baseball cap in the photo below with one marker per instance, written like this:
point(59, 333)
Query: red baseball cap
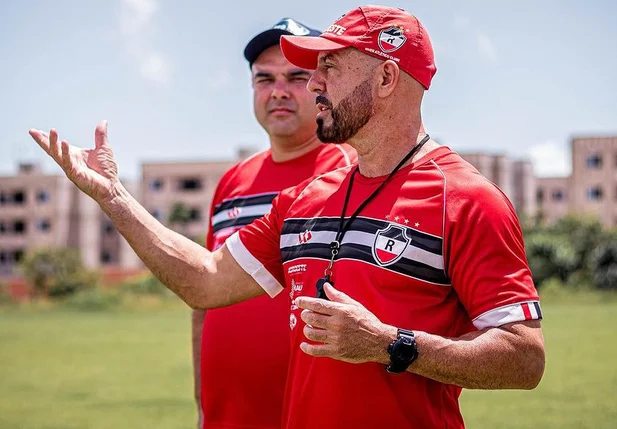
point(382, 32)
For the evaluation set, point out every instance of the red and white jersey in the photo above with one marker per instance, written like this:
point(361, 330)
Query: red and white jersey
point(245, 347)
point(439, 250)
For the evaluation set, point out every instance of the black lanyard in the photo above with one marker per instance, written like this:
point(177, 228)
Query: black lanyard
point(344, 226)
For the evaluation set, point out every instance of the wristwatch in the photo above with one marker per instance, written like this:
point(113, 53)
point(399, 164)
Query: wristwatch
point(403, 351)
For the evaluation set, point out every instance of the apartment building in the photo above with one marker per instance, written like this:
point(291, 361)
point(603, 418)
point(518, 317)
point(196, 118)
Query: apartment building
point(591, 189)
point(40, 210)
point(514, 177)
point(178, 194)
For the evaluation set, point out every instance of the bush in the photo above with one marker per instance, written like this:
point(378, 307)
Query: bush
point(550, 256)
point(605, 267)
point(93, 299)
point(146, 285)
point(57, 272)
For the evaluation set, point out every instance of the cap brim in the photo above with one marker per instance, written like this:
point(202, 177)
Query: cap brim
point(302, 51)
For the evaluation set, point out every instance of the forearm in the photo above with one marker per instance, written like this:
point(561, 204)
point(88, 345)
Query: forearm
point(509, 357)
point(197, 322)
point(181, 264)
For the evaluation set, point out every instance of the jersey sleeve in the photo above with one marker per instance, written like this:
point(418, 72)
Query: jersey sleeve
point(256, 247)
point(485, 257)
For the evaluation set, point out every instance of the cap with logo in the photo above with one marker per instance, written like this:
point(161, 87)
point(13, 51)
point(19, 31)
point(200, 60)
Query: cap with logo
point(379, 31)
point(272, 37)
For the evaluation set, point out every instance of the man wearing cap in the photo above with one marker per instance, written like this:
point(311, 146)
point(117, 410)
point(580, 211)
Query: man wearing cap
point(230, 393)
point(407, 273)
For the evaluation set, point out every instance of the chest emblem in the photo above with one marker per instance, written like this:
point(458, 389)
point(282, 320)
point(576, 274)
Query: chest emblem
point(390, 244)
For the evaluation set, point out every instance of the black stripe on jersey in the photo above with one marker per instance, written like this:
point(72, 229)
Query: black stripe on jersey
point(423, 241)
point(237, 222)
point(537, 306)
point(245, 202)
point(404, 266)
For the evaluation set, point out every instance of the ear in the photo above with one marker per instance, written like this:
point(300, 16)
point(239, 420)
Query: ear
point(388, 76)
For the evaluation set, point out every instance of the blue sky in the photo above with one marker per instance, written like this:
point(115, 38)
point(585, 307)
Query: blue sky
point(518, 78)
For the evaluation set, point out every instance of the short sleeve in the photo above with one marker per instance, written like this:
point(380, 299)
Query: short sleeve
point(256, 247)
point(485, 256)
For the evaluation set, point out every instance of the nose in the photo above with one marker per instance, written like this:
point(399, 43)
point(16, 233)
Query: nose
point(280, 90)
point(316, 83)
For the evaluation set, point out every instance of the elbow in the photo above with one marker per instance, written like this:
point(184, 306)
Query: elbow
point(534, 369)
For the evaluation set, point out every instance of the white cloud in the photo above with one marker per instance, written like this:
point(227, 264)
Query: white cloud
point(486, 47)
point(550, 159)
point(155, 68)
point(136, 25)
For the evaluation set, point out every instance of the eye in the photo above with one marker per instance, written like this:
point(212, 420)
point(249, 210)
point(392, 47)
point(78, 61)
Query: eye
point(263, 80)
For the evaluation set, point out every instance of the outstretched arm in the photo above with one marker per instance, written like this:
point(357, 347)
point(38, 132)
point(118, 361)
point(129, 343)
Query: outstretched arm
point(200, 278)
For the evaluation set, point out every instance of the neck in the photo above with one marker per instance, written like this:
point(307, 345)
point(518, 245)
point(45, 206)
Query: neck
point(286, 149)
point(379, 156)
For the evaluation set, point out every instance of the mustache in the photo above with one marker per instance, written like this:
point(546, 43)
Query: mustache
point(323, 100)
point(279, 104)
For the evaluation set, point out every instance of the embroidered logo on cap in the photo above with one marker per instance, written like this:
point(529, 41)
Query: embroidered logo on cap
point(391, 39)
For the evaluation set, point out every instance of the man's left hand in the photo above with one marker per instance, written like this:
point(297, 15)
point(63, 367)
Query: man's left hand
point(343, 329)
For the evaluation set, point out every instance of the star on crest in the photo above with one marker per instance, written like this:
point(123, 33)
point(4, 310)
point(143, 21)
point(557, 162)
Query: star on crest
point(406, 221)
point(417, 224)
point(396, 218)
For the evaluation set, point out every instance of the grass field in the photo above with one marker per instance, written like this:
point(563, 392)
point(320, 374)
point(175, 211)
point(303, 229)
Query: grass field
point(63, 369)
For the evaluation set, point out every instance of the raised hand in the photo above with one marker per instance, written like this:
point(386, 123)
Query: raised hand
point(94, 171)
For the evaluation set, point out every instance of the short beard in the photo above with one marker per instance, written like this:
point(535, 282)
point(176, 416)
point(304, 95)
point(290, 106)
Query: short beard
point(352, 113)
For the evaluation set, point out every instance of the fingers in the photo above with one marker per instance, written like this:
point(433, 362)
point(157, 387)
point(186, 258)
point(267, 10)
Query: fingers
point(315, 319)
point(54, 148)
point(313, 334)
point(66, 156)
point(41, 138)
point(317, 305)
point(318, 350)
point(100, 135)
point(338, 296)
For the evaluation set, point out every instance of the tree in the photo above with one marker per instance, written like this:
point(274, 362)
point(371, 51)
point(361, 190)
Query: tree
point(56, 272)
point(180, 216)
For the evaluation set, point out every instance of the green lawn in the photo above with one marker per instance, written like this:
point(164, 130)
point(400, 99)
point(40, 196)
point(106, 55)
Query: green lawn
point(61, 370)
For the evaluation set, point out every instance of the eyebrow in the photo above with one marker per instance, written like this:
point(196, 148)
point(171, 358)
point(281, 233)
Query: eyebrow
point(329, 56)
point(293, 73)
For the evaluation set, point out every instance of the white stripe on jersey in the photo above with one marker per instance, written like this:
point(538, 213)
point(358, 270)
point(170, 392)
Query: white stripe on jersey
point(252, 266)
point(506, 314)
point(247, 211)
point(366, 239)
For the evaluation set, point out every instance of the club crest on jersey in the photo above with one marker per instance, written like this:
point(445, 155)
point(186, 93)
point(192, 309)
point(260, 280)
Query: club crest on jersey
point(391, 39)
point(304, 237)
point(390, 244)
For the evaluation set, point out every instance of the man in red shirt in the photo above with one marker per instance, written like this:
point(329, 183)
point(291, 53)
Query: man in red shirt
point(228, 392)
point(407, 273)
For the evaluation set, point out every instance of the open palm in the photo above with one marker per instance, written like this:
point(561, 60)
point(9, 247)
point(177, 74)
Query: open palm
point(94, 171)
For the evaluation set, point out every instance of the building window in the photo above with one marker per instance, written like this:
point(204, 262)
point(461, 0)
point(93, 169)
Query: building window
point(43, 225)
point(594, 161)
point(19, 197)
point(19, 227)
point(105, 257)
point(3, 198)
point(3, 258)
point(594, 193)
point(2, 227)
point(42, 196)
point(189, 184)
point(540, 195)
point(558, 195)
point(18, 255)
point(156, 184)
point(194, 214)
